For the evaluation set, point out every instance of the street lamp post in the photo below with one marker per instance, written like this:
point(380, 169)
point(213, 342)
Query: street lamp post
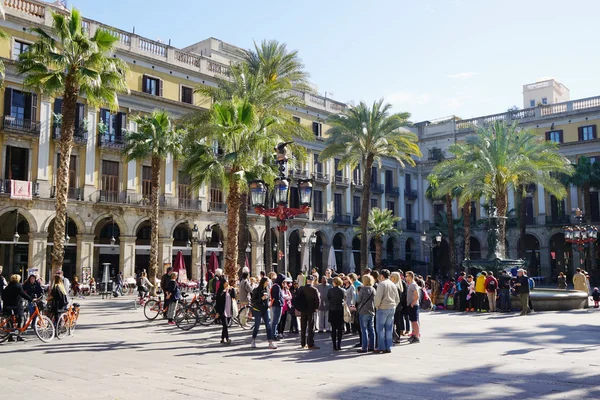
point(582, 235)
point(282, 212)
point(437, 240)
point(202, 241)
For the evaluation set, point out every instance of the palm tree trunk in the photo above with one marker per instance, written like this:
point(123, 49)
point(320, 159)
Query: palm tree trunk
point(62, 177)
point(467, 229)
point(154, 218)
point(522, 224)
point(452, 249)
point(378, 252)
point(501, 205)
point(268, 245)
point(364, 213)
point(233, 219)
point(243, 231)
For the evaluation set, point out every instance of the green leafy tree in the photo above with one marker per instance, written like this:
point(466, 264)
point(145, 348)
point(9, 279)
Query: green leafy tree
point(380, 223)
point(365, 135)
point(65, 62)
point(154, 139)
point(500, 157)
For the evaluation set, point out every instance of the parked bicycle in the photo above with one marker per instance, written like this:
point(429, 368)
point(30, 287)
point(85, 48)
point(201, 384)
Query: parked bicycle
point(67, 321)
point(155, 307)
point(42, 325)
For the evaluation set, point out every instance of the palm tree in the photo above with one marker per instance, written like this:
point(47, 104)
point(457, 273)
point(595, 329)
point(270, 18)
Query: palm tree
point(363, 135)
point(154, 139)
point(498, 158)
point(587, 175)
point(433, 193)
point(66, 62)
point(380, 223)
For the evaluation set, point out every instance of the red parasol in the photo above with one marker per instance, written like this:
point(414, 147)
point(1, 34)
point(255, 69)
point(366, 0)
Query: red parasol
point(213, 263)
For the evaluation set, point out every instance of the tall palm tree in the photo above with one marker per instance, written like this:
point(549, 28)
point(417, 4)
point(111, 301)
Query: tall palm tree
point(365, 135)
point(587, 175)
point(498, 158)
point(66, 62)
point(154, 139)
point(380, 223)
point(433, 193)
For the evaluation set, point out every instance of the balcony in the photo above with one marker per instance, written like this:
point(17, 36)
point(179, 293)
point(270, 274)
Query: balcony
point(79, 136)
point(411, 226)
point(109, 196)
point(411, 194)
point(72, 193)
point(6, 188)
point(217, 207)
point(321, 178)
point(357, 184)
point(20, 125)
point(320, 216)
point(138, 199)
point(342, 182)
point(111, 141)
point(377, 188)
point(300, 174)
point(392, 190)
point(558, 220)
point(342, 219)
point(436, 154)
point(177, 203)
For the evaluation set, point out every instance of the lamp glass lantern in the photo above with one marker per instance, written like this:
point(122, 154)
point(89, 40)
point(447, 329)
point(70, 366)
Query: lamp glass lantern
point(438, 238)
point(423, 237)
point(195, 232)
point(281, 190)
point(313, 239)
point(303, 239)
point(208, 233)
point(258, 193)
point(305, 191)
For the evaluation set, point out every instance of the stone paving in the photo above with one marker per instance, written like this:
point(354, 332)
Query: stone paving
point(117, 354)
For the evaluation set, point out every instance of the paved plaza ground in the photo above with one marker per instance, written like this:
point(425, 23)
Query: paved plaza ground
point(117, 354)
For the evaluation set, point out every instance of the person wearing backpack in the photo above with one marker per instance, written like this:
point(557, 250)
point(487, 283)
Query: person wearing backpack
point(306, 301)
point(491, 287)
point(260, 310)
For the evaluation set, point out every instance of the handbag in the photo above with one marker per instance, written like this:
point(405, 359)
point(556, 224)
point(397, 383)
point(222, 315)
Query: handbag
point(234, 308)
point(347, 314)
point(450, 301)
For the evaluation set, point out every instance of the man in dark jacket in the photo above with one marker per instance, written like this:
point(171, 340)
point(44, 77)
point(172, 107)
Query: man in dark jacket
point(276, 304)
point(504, 286)
point(522, 286)
point(307, 302)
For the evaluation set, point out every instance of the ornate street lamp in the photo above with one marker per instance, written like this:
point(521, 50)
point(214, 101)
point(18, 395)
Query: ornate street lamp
point(281, 192)
point(207, 233)
point(437, 240)
point(581, 235)
point(112, 239)
point(16, 236)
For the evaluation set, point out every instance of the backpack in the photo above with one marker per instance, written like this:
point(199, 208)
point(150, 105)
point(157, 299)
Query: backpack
point(299, 301)
point(459, 286)
point(492, 284)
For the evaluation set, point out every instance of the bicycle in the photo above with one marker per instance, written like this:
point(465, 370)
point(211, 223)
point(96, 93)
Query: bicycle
point(245, 318)
point(42, 325)
point(67, 321)
point(154, 307)
point(189, 316)
point(141, 301)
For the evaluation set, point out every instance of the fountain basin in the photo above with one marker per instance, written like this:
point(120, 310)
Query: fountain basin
point(554, 300)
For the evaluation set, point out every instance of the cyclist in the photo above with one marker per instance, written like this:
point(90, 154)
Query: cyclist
point(143, 285)
point(58, 296)
point(10, 298)
point(32, 287)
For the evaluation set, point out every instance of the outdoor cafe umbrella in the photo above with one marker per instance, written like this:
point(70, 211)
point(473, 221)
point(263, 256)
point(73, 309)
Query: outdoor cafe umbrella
point(179, 267)
point(331, 263)
point(213, 263)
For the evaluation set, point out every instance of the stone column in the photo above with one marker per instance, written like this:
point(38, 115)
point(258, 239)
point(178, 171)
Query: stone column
point(38, 244)
point(127, 255)
point(258, 252)
point(545, 268)
point(541, 196)
point(196, 254)
point(165, 252)
point(90, 154)
point(348, 192)
point(573, 195)
point(401, 185)
point(328, 190)
point(85, 254)
point(43, 177)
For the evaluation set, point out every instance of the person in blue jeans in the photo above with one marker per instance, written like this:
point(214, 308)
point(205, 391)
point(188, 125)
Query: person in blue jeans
point(386, 300)
point(260, 311)
point(365, 307)
point(276, 296)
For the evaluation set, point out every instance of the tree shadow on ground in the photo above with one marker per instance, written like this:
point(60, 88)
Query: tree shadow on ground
point(485, 382)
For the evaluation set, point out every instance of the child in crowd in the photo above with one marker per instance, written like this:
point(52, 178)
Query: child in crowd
point(596, 297)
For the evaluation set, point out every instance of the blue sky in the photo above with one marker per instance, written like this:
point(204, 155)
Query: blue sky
point(432, 58)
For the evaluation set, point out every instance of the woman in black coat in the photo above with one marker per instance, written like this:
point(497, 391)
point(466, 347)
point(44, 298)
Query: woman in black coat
point(224, 307)
point(335, 298)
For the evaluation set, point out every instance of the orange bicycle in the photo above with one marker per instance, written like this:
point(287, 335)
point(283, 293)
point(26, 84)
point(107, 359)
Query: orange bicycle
point(67, 321)
point(42, 325)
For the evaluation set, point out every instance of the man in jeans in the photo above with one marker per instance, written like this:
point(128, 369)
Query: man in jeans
point(491, 286)
point(307, 301)
point(522, 285)
point(386, 300)
point(504, 286)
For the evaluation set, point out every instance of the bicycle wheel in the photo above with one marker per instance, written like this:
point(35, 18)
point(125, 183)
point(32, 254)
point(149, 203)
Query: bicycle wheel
point(245, 318)
point(62, 326)
point(185, 318)
point(152, 309)
point(206, 314)
point(44, 328)
point(6, 327)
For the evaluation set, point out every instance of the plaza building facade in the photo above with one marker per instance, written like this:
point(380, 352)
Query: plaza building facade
point(108, 196)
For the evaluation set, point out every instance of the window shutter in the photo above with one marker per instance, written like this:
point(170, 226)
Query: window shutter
point(57, 106)
point(560, 135)
point(34, 106)
point(79, 112)
point(7, 101)
point(594, 132)
point(28, 102)
point(7, 169)
point(547, 136)
point(580, 133)
point(145, 83)
point(120, 124)
point(160, 87)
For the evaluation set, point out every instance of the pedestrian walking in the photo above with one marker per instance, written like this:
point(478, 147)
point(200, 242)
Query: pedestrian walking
point(596, 297)
point(398, 320)
point(172, 297)
point(306, 302)
point(224, 307)
point(286, 310)
point(504, 286)
point(413, 307)
point(404, 321)
point(386, 299)
point(276, 296)
point(335, 302)
point(350, 299)
point(260, 311)
point(522, 287)
point(562, 281)
point(480, 293)
point(245, 290)
point(491, 287)
point(365, 306)
point(323, 311)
